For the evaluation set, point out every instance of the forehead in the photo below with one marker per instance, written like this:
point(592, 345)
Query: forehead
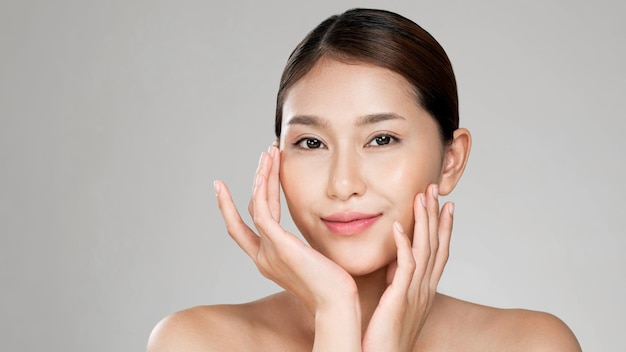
point(332, 89)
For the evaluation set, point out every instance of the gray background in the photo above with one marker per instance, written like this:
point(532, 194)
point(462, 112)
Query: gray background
point(116, 116)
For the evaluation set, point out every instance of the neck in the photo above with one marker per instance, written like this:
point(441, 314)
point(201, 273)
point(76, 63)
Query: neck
point(371, 287)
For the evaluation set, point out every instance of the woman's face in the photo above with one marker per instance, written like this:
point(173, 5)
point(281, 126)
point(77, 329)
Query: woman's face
point(355, 150)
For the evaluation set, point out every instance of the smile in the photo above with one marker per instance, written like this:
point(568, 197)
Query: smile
point(350, 223)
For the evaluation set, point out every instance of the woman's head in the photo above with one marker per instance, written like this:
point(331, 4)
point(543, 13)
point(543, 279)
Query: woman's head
point(366, 121)
point(387, 40)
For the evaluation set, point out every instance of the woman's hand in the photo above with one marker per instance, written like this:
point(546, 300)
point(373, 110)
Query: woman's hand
point(323, 286)
point(413, 278)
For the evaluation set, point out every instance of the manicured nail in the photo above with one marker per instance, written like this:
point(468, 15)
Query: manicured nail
point(451, 208)
point(272, 151)
point(398, 227)
point(435, 191)
point(217, 187)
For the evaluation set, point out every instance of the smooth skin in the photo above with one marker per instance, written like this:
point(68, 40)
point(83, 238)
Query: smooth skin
point(354, 139)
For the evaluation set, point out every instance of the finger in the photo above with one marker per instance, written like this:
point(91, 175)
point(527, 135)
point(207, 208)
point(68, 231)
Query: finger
point(273, 187)
point(445, 232)
point(432, 206)
point(421, 236)
point(237, 229)
point(405, 263)
point(391, 271)
point(262, 215)
point(256, 174)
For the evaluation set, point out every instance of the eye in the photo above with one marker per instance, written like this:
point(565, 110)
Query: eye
point(309, 143)
point(382, 139)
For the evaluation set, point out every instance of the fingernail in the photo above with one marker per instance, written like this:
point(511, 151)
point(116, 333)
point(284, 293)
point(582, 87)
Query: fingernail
point(422, 199)
point(272, 151)
point(398, 227)
point(435, 191)
point(217, 187)
point(451, 208)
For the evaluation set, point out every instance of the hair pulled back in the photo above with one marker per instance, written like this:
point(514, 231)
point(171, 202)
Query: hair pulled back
point(387, 40)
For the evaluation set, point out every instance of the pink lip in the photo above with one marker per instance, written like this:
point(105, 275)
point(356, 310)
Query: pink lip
point(349, 223)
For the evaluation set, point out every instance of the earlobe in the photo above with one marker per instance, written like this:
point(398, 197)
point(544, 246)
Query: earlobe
point(455, 159)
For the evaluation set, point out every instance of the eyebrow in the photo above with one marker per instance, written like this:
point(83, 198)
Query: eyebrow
point(312, 120)
point(376, 118)
point(307, 120)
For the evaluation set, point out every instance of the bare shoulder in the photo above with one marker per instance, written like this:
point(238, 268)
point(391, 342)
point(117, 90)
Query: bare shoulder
point(534, 331)
point(196, 329)
point(258, 325)
point(483, 328)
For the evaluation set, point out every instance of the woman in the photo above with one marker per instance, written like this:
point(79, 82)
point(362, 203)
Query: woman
point(367, 139)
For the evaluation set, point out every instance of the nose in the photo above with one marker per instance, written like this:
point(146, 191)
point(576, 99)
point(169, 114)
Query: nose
point(345, 177)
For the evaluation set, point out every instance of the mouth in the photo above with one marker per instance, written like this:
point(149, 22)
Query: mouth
point(350, 223)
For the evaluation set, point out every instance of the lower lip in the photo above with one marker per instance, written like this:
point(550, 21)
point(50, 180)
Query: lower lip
point(350, 227)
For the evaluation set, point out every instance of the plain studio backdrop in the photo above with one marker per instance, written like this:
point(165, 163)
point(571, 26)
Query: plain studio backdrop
point(116, 116)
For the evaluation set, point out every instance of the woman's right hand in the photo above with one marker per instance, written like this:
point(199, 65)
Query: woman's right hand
point(319, 283)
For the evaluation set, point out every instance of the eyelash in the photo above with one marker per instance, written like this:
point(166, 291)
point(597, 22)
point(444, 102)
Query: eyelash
point(392, 139)
point(305, 143)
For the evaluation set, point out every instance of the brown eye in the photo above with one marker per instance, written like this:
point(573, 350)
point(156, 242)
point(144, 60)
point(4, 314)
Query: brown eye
point(313, 143)
point(310, 143)
point(382, 139)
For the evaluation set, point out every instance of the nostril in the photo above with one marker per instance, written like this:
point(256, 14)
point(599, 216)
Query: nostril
point(345, 186)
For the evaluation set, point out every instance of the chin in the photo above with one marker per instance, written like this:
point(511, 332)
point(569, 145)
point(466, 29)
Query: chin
point(362, 264)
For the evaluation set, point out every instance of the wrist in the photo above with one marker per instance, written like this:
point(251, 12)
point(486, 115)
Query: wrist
point(342, 300)
point(338, 326)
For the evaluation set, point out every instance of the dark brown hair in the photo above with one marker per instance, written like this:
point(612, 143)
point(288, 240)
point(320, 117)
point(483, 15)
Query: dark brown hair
point(383, 39)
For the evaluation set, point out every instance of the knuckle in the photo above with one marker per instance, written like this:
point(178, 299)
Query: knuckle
point(251, 208)
point(264, 271)
point(233, 228)
point(411, 264)
point(444, 256)
point(432, 249)
point(257, 219)
point(264, 266)
point(433, 286)
point(424, 297)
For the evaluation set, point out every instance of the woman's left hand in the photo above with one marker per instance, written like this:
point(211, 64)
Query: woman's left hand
point(404, 306)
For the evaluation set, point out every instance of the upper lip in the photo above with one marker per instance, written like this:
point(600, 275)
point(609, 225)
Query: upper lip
point(348, 216)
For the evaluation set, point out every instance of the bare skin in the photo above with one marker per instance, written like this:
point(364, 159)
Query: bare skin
point(280, 323)
point(355, 142)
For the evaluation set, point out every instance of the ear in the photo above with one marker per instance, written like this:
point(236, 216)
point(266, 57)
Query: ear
point(455, 158)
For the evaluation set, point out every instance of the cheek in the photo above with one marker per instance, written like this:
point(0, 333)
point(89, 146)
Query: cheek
point(293, 176)
point(399, 179)
point(403, 174)
point(400, 184)
point(288, 179)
